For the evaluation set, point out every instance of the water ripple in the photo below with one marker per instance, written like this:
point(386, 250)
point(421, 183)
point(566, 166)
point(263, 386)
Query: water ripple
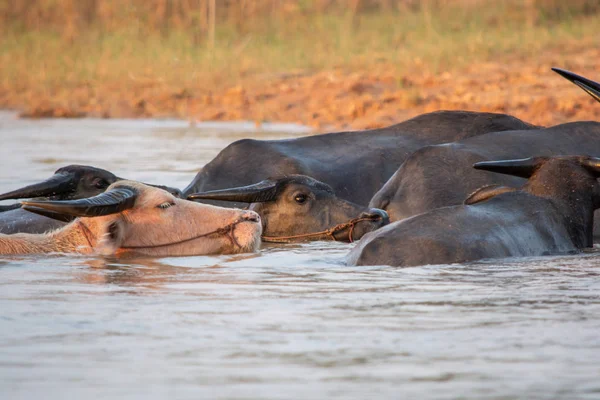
point(292, 322)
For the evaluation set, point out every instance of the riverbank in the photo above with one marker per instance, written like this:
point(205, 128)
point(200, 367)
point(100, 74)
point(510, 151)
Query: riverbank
point(371, 71)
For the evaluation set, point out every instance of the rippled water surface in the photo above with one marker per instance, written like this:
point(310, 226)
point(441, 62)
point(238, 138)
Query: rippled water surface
point(292, 322)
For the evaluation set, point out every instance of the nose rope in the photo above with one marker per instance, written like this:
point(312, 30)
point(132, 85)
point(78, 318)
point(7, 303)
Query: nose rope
point(230, 228)
point(226, 231)
point(328, 233)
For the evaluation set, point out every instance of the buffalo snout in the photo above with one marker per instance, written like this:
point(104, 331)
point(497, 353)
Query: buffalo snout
point(366, 222)
point(250, 216)
point(377, 215)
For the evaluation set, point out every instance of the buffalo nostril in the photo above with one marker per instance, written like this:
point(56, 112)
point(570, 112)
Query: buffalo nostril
point(250, 216)
point(380, 215)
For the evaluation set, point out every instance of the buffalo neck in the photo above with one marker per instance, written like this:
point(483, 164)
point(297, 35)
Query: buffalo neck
point(73, 238)
point(574, 192)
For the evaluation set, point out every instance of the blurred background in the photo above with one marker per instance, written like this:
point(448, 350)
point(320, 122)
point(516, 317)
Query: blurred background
point(329, 64)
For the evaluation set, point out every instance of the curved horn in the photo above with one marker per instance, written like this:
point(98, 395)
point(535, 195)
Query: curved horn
point(259, 192)
point(522, 168)
point(592, 164)
point(110, 202)
point(592, 88)
point(56, 184)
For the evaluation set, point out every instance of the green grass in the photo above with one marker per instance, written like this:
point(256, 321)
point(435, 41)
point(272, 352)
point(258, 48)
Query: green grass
point(427, 39)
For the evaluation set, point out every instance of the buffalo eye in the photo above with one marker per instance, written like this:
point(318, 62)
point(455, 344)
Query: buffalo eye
point(300, 198)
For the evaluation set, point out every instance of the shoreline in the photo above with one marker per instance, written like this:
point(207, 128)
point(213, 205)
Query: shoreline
point(337, 98)
point(226, 126)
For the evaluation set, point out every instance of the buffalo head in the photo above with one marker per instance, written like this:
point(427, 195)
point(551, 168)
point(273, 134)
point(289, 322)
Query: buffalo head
point(298, 207)
point(130, 217)
point(72, 182)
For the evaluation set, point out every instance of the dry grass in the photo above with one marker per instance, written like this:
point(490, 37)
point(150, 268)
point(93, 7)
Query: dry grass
point(163, 58)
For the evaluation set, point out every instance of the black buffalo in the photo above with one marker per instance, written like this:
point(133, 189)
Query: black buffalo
point(354, 164)
point(299, 208)
point(551, 214)
point(441, 175)
point(68, 183)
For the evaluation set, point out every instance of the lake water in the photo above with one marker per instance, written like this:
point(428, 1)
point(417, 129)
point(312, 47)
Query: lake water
point(289, 323)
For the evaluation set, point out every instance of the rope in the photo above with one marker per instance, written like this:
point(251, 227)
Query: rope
point(226, 231)
point(328, 233)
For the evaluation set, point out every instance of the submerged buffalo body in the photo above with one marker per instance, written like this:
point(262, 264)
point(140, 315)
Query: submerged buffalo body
point(354, 164)
point(551, 214)
point(442, 175)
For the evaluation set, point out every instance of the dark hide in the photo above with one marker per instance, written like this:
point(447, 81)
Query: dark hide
point(551, 214)
point(442, 175)
point(21, 221)
point(354, 164)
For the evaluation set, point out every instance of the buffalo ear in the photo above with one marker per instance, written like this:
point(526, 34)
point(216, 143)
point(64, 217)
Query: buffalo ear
point(112, 234)
point(590, 87)
point(523, 168)
point(485, 193)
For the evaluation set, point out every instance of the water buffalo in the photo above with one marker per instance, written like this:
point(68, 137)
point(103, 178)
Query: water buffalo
point(441, 175)
point(299, 208)
point(133, 218)
point(552, 213)
point(68, 183)
point(354, 164)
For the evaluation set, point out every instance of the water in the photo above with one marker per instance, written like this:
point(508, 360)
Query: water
point(290, 323)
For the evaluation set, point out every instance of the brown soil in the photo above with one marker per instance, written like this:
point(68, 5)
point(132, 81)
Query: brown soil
point(339, 98)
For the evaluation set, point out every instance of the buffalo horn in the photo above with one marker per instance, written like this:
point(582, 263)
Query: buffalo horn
point(56, 184)
point(591, 87)
point(592, 164)
point(259, 192)
point(522, 168)
point(109, 202)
